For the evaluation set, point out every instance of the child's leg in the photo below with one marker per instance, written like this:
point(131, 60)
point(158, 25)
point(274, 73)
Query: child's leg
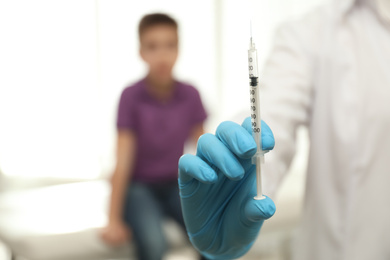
point(144, 215)
point(172, 203)
point(173, 206)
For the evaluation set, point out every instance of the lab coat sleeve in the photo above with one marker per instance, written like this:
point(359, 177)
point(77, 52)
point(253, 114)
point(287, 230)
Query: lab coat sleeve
point(286, 95)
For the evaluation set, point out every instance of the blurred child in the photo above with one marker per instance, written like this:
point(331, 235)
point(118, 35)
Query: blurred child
point(156, 116)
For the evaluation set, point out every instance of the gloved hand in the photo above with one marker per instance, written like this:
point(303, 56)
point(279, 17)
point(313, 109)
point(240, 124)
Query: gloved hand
point(217, 190)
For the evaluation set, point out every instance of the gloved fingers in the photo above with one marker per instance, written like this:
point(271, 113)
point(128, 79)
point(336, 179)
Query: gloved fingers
point(257, 210)
point(267, 137)
point(213, 151)
point(192, 167)
point(237, 139)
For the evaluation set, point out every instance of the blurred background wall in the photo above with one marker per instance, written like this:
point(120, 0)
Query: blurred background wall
point(64, 63)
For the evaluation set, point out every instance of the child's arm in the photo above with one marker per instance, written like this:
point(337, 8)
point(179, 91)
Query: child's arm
point(196, 132)
point(117, 232)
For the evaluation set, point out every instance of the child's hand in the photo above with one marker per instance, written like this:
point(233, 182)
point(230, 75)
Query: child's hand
point(116, 233)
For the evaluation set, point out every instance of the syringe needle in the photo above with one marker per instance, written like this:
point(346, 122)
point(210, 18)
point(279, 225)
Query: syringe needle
point(251, 29)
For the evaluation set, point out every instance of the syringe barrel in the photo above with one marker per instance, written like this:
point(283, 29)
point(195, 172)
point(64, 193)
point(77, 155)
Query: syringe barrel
point(258, 158)
point(252, 62)
point(256, 121)
point(254, 98)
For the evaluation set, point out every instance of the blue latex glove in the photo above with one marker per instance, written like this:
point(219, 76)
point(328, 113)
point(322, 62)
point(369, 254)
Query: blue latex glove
point(217, 190)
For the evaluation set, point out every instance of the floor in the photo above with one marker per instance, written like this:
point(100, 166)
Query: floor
point(185, 254)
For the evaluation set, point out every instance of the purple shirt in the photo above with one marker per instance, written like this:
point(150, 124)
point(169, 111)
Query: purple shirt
point(161, 128)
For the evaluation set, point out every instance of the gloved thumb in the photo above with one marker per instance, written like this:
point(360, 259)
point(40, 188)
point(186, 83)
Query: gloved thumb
point(257, 210)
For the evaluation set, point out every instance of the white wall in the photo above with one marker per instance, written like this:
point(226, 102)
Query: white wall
point(48, 88)
point(64, 63)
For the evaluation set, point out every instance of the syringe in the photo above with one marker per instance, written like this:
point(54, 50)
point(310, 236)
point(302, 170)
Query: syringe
point(258, 158)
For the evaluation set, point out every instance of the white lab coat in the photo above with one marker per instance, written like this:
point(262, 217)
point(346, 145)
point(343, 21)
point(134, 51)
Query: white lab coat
point(331, 72)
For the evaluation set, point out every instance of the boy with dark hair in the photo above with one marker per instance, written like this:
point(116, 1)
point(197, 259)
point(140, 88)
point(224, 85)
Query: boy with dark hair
point(156, 116)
